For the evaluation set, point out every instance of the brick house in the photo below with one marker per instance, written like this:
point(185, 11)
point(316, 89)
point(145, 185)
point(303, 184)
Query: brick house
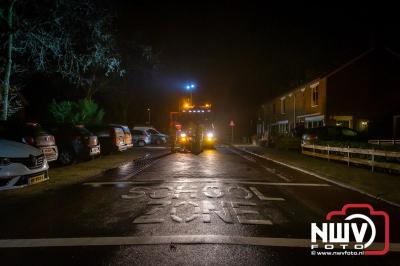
point(363, 94)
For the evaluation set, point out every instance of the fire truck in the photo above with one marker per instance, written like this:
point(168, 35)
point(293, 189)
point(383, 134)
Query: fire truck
point(192, 128)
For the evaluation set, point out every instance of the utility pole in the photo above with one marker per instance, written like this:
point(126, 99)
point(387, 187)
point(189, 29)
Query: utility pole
point(232, 125)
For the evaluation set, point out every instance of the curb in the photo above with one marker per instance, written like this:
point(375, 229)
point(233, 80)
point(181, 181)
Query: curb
point(327, 179)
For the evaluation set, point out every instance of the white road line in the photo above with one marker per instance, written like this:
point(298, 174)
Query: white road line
point(159, 240)
point(262, 197)
point(220, 181)
point(273, 171)
point(283, 177)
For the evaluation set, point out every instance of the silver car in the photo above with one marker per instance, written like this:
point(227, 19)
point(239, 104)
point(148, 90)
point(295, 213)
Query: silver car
point(21, 165)
point(156, 137)
point(140, 137)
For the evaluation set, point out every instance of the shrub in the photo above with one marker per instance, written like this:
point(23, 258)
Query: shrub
point(80, 112)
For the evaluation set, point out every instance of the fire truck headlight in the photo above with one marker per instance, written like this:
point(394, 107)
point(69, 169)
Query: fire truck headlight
point(183, 137)
point(210, 137)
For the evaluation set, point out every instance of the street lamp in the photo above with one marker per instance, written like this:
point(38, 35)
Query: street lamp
point(148, 110)
point(190, 88)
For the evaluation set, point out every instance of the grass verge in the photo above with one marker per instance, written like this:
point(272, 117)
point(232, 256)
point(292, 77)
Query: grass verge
point(73, 174)
point(379, 184)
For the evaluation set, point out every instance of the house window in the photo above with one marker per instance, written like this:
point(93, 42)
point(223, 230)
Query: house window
point(343, 123)
point(314, 122)
point(283, 128)
point(283, 106)
point(314, 96)
point(363, 125)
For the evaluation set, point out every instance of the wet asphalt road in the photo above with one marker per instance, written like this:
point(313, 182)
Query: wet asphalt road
point(221, 207)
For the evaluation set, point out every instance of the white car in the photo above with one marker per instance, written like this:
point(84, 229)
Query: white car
point(21, 165)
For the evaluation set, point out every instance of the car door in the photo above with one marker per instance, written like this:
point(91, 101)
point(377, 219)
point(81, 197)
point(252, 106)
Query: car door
point(332, 133)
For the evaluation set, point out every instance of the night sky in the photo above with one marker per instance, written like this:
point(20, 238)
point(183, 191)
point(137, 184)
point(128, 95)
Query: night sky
point(240, 54)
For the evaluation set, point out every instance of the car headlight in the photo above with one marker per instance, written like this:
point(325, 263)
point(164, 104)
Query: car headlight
point(4, 161)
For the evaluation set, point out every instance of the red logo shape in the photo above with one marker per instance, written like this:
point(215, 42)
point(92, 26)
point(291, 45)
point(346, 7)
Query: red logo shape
point(372, 212)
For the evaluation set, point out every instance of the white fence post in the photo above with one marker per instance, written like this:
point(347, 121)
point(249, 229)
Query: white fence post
point(345, 155)
point(373, 160)
point(329, 159)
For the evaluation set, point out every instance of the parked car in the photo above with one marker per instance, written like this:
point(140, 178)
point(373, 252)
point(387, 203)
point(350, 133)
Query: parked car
point(111, 138)
point(298, 131)
point(325, 133)
point(32, 134)
point(74, 142)
point(21, 164)
point(141, 137)
point(128, 136)
point(155, 136)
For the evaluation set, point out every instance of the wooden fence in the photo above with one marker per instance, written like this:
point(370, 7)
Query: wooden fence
point(384, 141)
point(354, 155)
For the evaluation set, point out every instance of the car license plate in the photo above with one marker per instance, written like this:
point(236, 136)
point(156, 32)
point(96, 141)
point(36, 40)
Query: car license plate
point(36, 179)
point(47, 151)
point(95, 150)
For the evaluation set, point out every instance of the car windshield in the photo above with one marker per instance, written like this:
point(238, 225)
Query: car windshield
point(33, 130)
point(16, 130)
point(126, 130)
point(152, 131)
point(118, 131)
point(137, 132)
point(349, 133)
point(83, 131)
point(333, 131)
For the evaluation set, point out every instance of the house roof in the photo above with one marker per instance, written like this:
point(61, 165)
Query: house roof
point(336, 70)
point(352, 61)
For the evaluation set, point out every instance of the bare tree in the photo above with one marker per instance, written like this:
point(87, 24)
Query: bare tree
point(68, 37)
point(5, 90)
